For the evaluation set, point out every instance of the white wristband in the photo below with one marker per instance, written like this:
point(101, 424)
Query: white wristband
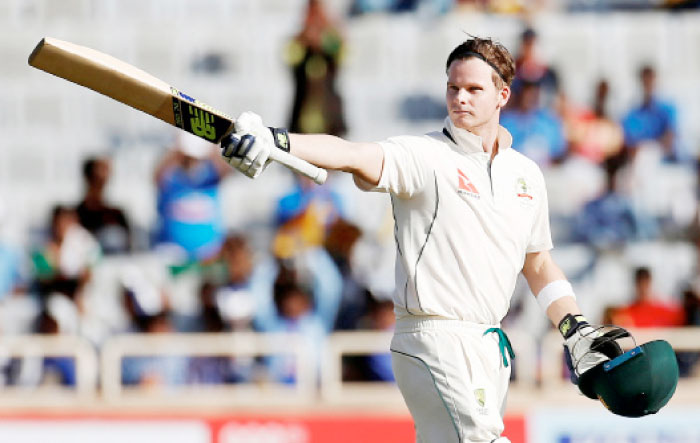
point(553, 292)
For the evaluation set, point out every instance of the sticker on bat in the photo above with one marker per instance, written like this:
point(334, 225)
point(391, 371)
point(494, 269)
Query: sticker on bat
point(194, 101)
point(196, 118)
point(201, 123)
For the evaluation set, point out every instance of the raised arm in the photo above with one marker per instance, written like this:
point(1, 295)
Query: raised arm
point(249, 150)
point(364, 160)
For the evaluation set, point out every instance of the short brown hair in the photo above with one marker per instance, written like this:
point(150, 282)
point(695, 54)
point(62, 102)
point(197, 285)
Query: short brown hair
point(493, 53)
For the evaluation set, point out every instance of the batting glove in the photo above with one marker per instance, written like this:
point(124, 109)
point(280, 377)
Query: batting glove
point(585, 346)
point(248, 148)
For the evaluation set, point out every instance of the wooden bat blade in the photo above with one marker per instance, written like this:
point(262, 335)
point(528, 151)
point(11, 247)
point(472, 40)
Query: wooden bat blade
point(127, 84)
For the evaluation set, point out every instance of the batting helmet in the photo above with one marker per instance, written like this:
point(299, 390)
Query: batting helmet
point(638, 382)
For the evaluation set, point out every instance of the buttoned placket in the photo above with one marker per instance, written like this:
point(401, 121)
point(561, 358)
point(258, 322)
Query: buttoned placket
point(488, 167)
point(472, 142)
point(493, 178)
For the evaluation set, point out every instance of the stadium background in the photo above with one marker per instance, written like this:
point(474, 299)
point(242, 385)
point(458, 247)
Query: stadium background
point(233, 55)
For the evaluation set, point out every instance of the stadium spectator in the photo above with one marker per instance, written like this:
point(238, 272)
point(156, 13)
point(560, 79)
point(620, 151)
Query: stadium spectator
point(531, 68)
point(304, 301)
point(594, 135)
point(189, 207)
point(609, 221)
point(691, 307)
point(653, 121)
point(155, 371)
point(228, 299)
point(39, 371)
point(231, 289)
point(314, 55)
point(687, 361)
point(56, 370)
point(108, 224)
point(537, 132)
point(303, 217)
point(432, 7)
point(143, 300)
point(12, 280)
point(380, 318)
point(340, 241)
point(63, 263)
point(647, 310)
point(147, 306)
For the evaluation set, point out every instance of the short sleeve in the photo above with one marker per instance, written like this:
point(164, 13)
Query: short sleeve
point(540, 235)
point(406, 164)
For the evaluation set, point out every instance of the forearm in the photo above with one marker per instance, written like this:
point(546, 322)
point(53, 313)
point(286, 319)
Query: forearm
point(364, 160)
point(560, 307)
point(548, 282)
point(540, 270)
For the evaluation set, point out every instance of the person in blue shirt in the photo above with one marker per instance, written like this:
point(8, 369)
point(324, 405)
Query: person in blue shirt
point(652, 120)
point(189, 206)
point(11, 279)
point(609, 221)
point(537, 132)
point(56, 369)
point(305, 298)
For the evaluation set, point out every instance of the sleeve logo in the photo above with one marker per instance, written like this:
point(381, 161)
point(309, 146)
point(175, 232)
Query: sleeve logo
point(522, 189)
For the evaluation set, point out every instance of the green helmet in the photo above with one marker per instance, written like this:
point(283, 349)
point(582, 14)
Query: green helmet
point(639, 382)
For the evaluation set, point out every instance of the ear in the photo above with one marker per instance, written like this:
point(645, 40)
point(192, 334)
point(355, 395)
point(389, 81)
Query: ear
point(503, 96)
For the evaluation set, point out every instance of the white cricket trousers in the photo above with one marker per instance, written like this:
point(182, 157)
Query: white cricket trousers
point(453, 379)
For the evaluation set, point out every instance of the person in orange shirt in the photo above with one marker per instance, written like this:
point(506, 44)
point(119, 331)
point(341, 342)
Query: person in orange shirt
point(647, 311)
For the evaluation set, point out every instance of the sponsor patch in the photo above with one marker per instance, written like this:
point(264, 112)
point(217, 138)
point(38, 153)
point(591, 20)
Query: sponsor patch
point(465, 186)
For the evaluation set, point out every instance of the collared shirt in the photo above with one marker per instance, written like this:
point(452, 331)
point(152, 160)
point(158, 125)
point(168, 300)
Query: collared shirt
point(463, 223)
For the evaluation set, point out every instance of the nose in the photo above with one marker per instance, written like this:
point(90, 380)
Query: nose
point(462, 96)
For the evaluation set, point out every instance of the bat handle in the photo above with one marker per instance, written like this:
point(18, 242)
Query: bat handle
point(296, 164)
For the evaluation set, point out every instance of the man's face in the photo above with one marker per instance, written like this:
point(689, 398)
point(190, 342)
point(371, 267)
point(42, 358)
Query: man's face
point(648, 78)
point(472, 98)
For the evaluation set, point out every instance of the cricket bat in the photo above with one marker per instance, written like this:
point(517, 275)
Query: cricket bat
point(127, 84)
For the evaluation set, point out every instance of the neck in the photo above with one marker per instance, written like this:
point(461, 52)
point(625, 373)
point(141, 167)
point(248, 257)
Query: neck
point(93, 196)
point(489, 136)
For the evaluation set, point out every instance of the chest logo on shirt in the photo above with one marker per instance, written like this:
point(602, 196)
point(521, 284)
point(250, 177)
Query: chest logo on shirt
point(465, 186)
point(522, 189)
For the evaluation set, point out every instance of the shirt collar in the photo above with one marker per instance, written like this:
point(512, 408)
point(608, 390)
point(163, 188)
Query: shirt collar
point(471, 143)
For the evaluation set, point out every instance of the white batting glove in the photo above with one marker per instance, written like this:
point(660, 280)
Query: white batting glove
point(248, 147)
point(585, 345)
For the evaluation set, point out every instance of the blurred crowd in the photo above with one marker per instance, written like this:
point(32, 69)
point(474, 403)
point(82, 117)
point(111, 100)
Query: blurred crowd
point(311, 278)
point(433, 7)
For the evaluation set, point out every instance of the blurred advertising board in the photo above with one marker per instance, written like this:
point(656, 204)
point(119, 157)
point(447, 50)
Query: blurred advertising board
point(670, 425)
point(56, 429)
point(193, 428)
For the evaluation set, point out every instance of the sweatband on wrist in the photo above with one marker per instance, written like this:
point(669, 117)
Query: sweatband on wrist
point(553, 292)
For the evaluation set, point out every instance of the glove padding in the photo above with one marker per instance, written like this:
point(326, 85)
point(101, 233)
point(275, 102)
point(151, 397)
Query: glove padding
point(585, 346)
point(248, 148)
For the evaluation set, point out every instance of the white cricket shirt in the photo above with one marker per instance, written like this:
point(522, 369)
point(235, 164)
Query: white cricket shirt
point(463, 223)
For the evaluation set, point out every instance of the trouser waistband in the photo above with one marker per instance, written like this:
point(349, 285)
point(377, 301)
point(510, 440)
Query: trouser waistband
point(417, 323)
point(413, 324)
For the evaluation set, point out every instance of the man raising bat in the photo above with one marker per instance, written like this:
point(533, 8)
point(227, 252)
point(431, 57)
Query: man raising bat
point(471, 214)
